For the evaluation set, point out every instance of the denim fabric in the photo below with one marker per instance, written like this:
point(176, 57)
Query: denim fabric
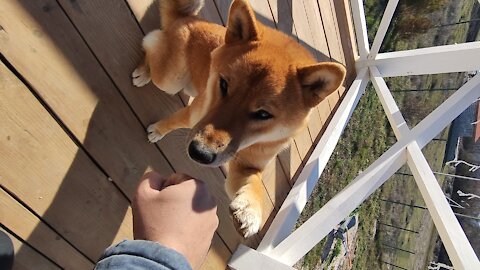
point(139, 254)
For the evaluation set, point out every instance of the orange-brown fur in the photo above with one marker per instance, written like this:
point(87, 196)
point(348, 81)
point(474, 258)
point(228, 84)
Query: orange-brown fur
point(264, 70)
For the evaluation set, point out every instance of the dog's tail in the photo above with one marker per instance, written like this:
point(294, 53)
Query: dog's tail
point(170, 10)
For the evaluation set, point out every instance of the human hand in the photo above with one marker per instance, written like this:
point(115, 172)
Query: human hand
point(177, 212)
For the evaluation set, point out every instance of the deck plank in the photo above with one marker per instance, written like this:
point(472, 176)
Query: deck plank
point(290, 160)
point(26, 258)
point(218, 255)
point(261, 8)
point(119, 57)
point(301, 25)
point(305, 18)
point(23, 223)
point(148, 15)
point(316, 28)
point(330, 27)
point(45, 48)
point(43, 167)
point(347, 36)
point(276, 183)
point(210, 13)
point(282, 14)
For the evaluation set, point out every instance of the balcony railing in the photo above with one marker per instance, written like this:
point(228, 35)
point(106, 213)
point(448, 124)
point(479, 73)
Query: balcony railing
point(281, 248)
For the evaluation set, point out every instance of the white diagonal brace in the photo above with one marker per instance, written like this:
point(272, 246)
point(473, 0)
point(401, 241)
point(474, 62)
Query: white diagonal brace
point(453, 237)
point(436, 121)
point(433, 60)
point(382, 28)
point(297, 198)
point(391, 109)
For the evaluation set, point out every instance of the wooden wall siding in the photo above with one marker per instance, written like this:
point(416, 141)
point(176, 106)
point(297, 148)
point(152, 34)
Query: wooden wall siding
point(73, 136)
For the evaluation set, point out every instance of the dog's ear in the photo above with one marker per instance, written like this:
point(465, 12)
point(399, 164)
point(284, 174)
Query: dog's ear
point(242, 25)
point(320, 80)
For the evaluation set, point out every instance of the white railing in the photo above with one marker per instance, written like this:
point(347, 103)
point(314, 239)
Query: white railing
point(281, 248)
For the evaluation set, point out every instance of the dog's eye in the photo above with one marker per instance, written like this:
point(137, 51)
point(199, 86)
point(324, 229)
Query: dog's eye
point(261, 115)
point(223, 87)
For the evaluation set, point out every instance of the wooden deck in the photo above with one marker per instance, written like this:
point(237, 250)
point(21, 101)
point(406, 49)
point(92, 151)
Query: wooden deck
point(72, 126)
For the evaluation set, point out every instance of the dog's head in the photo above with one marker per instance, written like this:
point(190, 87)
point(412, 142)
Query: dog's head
point(261, 89)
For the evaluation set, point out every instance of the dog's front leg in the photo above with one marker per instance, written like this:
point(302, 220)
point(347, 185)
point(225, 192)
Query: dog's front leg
point(180, 119)
point(184, 118)
point(245, 188)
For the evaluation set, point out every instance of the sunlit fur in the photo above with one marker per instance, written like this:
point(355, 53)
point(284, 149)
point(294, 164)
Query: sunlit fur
point(265, 70)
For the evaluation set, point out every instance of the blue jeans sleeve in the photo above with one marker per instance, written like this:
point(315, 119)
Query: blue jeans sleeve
point(139, 255)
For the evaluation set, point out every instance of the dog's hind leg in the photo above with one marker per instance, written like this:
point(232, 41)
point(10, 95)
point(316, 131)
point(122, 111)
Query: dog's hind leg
point(164, 63)
point(141, 75)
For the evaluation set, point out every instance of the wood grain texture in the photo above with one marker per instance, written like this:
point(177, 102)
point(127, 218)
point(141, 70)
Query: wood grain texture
point(330, 27)
point(147, 13)
point(316, 28)
point(290, 160)
point(263, 12)
point(42, 45)
point(345, 27)
point(302, 26)
point(261, 8)
point(282, 14)
point(276, 183)
point(303, 141)
point(223, 7)
point(210, 13)
point(217, 256)
point(23, 223)
point(26, 258)
point(41, 165)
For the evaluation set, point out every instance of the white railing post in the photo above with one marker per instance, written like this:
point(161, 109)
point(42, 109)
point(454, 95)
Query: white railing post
point(360, 25)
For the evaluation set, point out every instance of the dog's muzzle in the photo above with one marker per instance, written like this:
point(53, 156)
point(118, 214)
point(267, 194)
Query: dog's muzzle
point(201, 153)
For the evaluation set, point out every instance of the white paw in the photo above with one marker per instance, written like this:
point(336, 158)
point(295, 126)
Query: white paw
point(153, 135)
point(247, 213)
point(140, 76)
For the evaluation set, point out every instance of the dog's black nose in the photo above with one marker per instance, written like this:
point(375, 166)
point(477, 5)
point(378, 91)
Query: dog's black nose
point(200, 153)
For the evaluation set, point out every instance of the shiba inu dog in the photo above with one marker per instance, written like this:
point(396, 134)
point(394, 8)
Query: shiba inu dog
point(254, 88)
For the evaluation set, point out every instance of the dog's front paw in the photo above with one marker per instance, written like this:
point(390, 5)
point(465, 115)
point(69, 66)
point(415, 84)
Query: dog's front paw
point(140, 76)
point(247, 214)
point(153, 135)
